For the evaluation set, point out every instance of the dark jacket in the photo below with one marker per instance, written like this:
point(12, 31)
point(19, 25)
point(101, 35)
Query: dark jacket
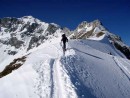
point(64, 38)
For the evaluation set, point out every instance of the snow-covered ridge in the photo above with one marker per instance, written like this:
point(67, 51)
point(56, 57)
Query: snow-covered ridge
point(94, 65)
point(96, 31)
point(86, 71)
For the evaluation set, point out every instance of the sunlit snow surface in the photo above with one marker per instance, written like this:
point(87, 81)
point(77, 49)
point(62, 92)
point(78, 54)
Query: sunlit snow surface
point(87, 70)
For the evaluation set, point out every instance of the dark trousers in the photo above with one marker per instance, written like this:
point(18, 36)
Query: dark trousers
point(64, 45)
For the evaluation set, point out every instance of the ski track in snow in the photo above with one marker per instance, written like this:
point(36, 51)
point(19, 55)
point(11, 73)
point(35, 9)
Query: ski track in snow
point(125, 67)
point(61, 92)
point(53, 81)
point(122, 67)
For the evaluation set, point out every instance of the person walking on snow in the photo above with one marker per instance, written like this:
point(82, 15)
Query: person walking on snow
point(64, 40)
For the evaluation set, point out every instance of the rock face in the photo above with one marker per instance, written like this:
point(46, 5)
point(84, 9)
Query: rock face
point(15, 64)
point(89, 30)
point(52, 29)
point(10, 23)
point(13, 41)
point(117, 42)
point(24, 33)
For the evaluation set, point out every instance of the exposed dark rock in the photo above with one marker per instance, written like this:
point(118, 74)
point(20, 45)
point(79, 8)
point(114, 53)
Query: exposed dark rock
point(15, 64)
point(117, 42)
point(51, 29)
point(99, 34)
point(9, 22)
point(32, 27)
point(34, 40)
point(13, 41)
point(12, 52)
point(125, 50)
point(24, 26)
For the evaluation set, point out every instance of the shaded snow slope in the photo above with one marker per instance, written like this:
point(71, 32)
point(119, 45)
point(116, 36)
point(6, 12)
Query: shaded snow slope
point(97, 74)
point(86, 71)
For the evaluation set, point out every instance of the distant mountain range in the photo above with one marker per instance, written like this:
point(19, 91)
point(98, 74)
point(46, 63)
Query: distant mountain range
point(28, 32)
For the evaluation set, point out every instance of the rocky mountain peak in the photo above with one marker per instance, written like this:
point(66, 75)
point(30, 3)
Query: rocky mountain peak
point(24, 33)
point(96, 31)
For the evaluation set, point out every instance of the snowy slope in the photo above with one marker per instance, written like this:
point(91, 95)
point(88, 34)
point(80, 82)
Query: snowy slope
point(100, 74)
point(32, 64)
point(84, 72)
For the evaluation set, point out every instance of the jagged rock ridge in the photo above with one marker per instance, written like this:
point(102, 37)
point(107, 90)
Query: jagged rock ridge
point(96, 31)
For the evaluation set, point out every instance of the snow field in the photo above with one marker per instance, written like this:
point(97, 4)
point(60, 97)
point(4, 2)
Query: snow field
point(85, 71)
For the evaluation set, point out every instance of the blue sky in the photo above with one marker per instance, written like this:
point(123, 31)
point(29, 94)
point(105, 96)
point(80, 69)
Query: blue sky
point(114, 14)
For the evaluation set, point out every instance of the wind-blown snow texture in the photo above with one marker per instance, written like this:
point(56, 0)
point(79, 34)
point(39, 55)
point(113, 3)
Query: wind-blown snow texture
point(91, 68)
